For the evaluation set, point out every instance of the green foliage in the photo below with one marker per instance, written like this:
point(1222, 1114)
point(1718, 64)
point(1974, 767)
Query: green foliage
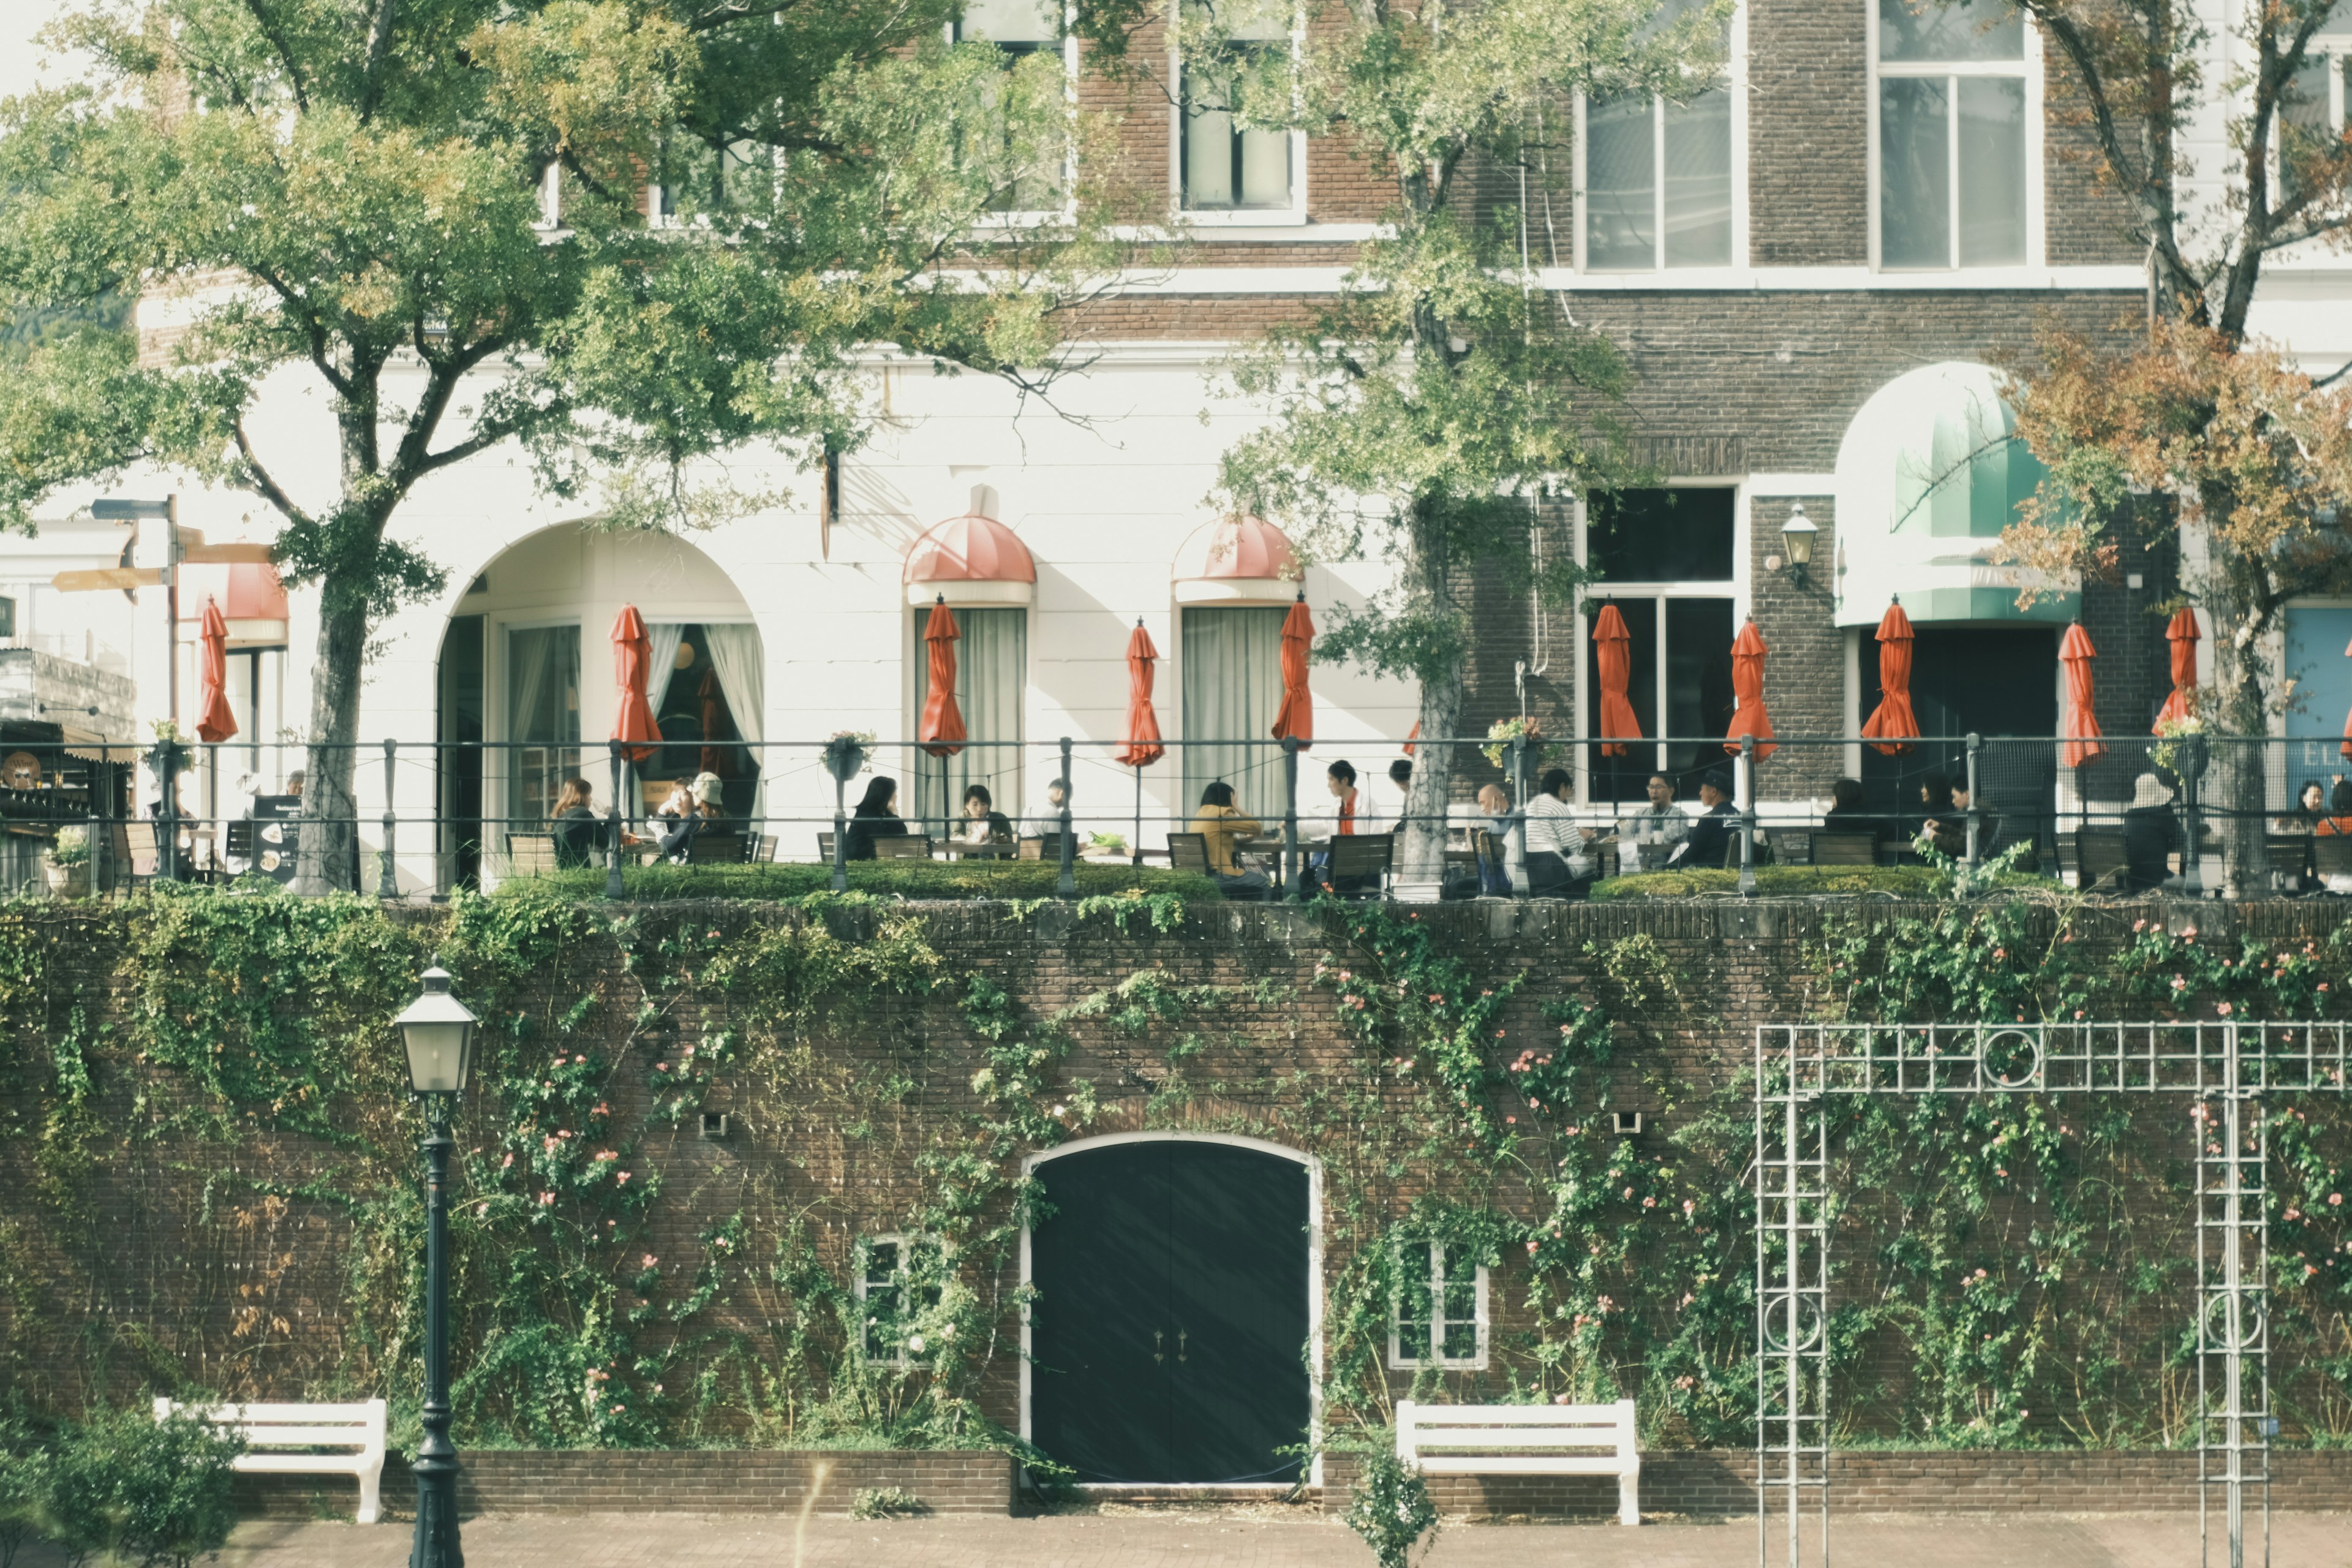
point(886, 1502)
point(24, 1482)
point(71, 847)
point(1782, 882)
point(1390, 1506)
point(153, 1494)
point(1018, 880)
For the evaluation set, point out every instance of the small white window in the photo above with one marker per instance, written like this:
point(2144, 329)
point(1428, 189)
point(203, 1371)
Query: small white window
point(1658, 177)
point(2311, 114)
point(1222, 166)
point(1438, 1317)
point(1018, 30)
point(1956, 133)
point(897, 1282)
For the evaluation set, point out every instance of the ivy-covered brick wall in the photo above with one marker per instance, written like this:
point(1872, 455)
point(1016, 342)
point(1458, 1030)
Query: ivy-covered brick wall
point(201, 1111)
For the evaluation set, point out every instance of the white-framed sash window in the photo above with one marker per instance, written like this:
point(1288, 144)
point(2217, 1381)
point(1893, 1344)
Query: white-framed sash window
point(1437, 1316)
point(542, 715)
point(1019, 29)
point(1955, 136)
point(1661, 184)
point(1225, 173)
point(897, 1281)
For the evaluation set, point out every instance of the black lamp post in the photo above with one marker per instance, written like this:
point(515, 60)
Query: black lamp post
point(439, 1034)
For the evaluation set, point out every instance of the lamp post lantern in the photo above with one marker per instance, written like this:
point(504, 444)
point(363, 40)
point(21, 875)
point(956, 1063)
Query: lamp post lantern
point(1797, 538)
point(438, 1032)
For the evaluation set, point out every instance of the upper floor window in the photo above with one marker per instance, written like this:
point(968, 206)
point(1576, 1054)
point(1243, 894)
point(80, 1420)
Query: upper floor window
point(1954, 134)
point(1018, 30)
point(1658, 177)
point(1224, 164)
point(899, 1279)
point(7, 618)
point(2311, 115)
point(1438, 1315)
point(1665, 558)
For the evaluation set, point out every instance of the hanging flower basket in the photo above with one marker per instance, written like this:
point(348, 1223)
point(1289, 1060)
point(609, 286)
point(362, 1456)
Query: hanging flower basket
point(1503, 731)
point(846, 755)
point(2179, 755)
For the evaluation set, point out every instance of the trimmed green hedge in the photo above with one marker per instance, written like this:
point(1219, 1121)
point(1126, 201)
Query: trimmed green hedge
point(1781, 881)
point(880, 879)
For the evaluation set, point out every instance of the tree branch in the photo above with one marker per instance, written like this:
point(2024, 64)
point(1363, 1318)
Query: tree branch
point(263, 483)
point(379, 47)
point(270, 30)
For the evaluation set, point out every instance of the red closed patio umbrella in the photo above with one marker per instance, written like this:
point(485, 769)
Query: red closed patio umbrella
point(1411, 736)
point(1295, 719)
point(1747, 651)
point(2082, 730)
point(2182, 634)
point(1143, 747)
point(633, 654)
point(2346, 748)
point(941, 731)
point(1891, 721)
point(1613, 660)
point(216, 724)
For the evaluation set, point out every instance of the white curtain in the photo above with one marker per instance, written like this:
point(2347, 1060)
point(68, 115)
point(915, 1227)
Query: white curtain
point(743, 673)
point(1232, 689)
point(543, 709)
point(991, 676)
point(662, 638)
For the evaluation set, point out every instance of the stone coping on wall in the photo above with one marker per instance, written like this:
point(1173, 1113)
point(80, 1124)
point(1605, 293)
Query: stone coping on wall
point(1685, 1482)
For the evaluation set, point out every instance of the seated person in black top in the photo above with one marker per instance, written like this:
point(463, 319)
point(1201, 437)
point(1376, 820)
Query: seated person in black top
point(2151, 833)
point(582, 837)
point(876, 817)
point(1710, 835)
point(1847, 813)
point(983, 823)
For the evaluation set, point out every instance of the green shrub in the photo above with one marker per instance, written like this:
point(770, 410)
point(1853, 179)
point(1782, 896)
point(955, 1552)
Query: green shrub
point(881, 878)
point(22, 1477)
point(151, 1493)
point(1390, 1506)
point(1924, 882)
point(886, 1502)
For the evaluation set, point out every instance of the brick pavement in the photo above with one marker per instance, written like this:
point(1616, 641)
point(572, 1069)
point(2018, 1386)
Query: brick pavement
point(1249, 1539)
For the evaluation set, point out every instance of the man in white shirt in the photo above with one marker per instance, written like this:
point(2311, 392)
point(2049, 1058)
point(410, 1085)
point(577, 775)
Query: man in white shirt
point(1353, 814)
point(1663, 822)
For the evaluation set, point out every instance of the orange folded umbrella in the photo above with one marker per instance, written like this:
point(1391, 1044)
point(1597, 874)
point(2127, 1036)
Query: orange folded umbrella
point(2182, 634)
point(1747, 651)
point(1295, 719)
point(216, 722)
point(1892, 721)
point(1143, 747)
point(1612, 660)
point(2082, 725)
point(941, 732)
point(632, 655)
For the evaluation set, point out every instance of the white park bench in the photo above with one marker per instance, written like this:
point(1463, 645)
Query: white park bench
point(287, 1440)
point(1526, 1441)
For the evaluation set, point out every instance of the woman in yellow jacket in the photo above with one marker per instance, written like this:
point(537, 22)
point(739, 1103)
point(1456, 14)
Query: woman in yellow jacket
point(1221, 827)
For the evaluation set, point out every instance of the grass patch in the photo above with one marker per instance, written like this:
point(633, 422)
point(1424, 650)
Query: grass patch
point(878, 879)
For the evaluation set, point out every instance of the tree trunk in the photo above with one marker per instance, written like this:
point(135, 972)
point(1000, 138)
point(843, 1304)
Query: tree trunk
point(2236, 790)
point(329, 810)
point(1422, 858)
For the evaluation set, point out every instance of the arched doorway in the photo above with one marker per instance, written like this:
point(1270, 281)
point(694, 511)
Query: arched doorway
point(1175, 1281)
point(526, 692)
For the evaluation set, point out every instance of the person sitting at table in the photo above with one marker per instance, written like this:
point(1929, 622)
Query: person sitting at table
point(692, 806)
point(1552, 836)
point(2310, 806)
point(1662, 822)
point(1494, 875)
point(1944, 828)
point(1710, 842)
point(1400, 775)
point(2338, 819)
point(582, 837)
point(1221, 827)
point(1847, 813)
point(983, 824)
point(1355, 815)
point(877, 817)
point(1049, 821)
point(2152, 835)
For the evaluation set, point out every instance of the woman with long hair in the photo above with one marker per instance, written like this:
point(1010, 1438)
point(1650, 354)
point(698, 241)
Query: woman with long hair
point(876, 817)
point(1220, 826)
point(581, 836)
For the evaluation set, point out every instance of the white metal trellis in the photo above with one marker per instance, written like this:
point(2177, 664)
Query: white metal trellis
point(2224, 1069)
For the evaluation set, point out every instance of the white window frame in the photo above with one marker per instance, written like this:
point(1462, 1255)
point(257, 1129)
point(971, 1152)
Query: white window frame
point(1067, 213)
point(1735, 82)
point(2029, 69)
point(1398, 1360)
point(1738, 588)
point(1292, 217)
point(861, 1257)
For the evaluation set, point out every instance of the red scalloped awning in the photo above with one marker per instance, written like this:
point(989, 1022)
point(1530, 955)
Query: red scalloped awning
point(1246, 548)
point(971, 548)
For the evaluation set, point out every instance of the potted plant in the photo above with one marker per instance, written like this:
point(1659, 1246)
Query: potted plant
point(68, 863)
point(2178, 755)
point(1503, 731)
point(848, 753)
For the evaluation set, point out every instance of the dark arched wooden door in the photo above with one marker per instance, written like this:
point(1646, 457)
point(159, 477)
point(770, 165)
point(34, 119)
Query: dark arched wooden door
point(1167, 1338)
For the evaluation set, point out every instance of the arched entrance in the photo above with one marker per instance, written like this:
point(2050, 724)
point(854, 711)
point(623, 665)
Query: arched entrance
point(525, 666)
point(1176, 1295)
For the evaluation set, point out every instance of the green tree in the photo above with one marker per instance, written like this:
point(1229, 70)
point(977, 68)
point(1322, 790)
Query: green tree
point(2193, 426)
point(1420, 412)
point(435, 212)
point(153, 1494)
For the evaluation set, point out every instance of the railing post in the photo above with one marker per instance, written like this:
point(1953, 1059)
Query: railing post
point(167, 825)
point(1974, 812)
point(1068, 885)
point(1518, 809)
point(840, 828)
point(387, 885)
point(2191, 873)
point(1747, 817)
point(1293, 885)
point(612, 888)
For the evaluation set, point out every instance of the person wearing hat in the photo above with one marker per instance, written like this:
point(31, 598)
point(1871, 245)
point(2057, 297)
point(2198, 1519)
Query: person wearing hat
point(2151, 834)
point(692, 805)
point(1709, 843)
